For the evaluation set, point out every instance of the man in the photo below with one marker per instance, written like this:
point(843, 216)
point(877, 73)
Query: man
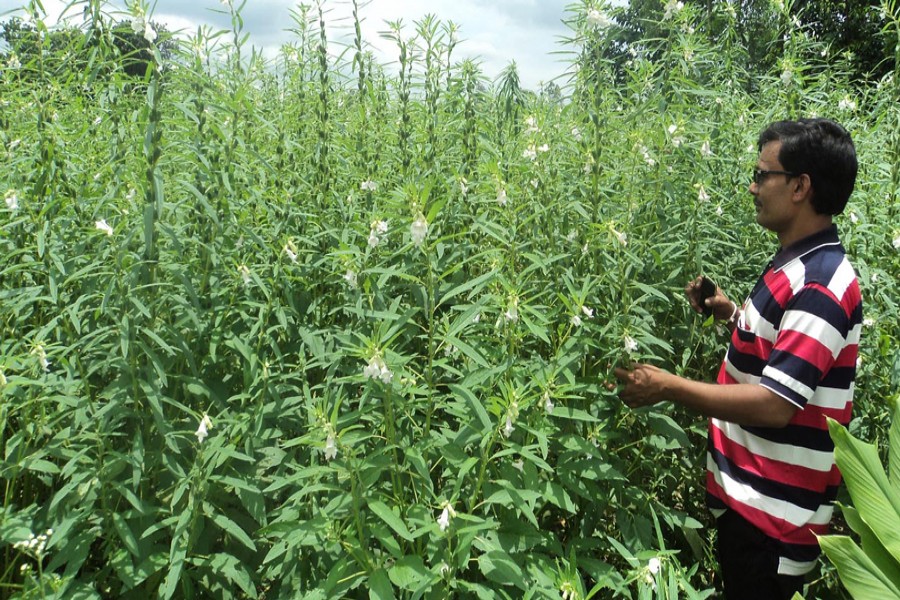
point(771, 477)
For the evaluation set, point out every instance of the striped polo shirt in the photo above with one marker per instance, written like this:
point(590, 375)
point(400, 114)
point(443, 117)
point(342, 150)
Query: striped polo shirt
point(798, 336)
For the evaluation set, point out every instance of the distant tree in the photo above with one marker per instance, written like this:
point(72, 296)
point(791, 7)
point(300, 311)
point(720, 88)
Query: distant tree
point(844, 25)
point(552, 93)
point(71, 48)
point(852, 26)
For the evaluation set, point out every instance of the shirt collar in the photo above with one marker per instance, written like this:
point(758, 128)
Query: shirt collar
point(820, 239)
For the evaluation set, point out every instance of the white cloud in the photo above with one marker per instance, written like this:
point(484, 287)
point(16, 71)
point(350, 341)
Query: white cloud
point(496, 33)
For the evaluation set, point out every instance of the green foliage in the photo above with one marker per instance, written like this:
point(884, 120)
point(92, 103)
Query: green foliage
point(871, 571)
point(310, 329)
point(852, 30)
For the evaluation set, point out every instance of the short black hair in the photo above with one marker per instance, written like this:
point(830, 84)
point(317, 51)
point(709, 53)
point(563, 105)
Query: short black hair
point(823, 150)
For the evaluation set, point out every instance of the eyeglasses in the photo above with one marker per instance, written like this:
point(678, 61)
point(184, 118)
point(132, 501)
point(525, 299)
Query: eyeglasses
point(759, 175)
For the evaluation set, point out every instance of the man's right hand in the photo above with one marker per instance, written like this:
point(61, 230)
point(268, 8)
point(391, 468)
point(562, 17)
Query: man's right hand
point(722, 308)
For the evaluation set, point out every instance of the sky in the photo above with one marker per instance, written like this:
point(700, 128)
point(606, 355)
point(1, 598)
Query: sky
point(493, 32)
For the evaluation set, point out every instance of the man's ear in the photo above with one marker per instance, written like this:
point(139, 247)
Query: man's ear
point(802, 187)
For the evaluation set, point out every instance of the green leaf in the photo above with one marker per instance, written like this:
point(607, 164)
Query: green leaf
point(665, 426)
point(393, 521)
point(872, 493)
point(233, 529)
point(380, 587)
point(125, 534)
point(409, 572)
point(894, 447)
point(469, 398)
point(871, 545)
point(466, 286)
point(575, 414)
point(499, 567)
point(858, 573)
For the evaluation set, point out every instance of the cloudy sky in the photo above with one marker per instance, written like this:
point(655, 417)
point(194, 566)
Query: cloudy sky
point(496, 32)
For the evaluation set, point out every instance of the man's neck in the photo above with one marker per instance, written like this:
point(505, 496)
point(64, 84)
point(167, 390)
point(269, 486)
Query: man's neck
point(804, 228)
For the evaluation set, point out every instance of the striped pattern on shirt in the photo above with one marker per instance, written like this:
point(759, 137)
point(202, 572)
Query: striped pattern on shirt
point(798, 336)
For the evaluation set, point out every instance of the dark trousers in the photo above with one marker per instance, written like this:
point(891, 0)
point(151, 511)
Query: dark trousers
point(749, 562)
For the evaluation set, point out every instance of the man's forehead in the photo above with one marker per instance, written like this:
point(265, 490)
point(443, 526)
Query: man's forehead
point(769, 151)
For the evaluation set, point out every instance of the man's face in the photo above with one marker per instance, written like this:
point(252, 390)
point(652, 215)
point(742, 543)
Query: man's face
point(772, 195)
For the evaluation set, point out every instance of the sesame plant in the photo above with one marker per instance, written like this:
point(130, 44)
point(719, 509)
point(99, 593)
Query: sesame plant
point(320, 327)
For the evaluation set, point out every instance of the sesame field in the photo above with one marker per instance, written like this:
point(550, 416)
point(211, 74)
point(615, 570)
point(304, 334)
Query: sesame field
point(320, 327)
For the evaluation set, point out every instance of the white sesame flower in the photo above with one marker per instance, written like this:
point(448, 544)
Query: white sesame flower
point(543, 148)
point(12, 200)
point(548, 403)
point(630, 344)
point(519, 465)
point(598, 19)
point(896, 243)
point(14, 144)
point(42, 357)
point(385, 375)
point(531, 121)
point(622, 237)
point(2, 378)
point(874, 278)
point(588, 312)
point(13, 62)
point(203, 429)
point(373, 239)
point(854, 218)
point(476, 318)
point(377, 369)
point(443, 521)
point(508, 427)
point(672, 7)
point(535, 183)
point(368, 186)
point(672, 129)
point(445, 568)
point(576, 133)
point(350, 278)
point(290, 251)
point(418, 230)
point(786, 77)
point(330, 447)
point(647, 158)
point(512, 311)
point(137, 24)
point(463, 186)
point(572, 235)
point(501, 197)
point(530, 152)
point(654, 565)
point(702, 196)
point(380, 227)
point(719, 210)
point(245, 274)
point(149, 33)
point(371, 370)
point(847, 104)
point(705, 149)
point(103, 226)
point(576, 320)
point(868, 322)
